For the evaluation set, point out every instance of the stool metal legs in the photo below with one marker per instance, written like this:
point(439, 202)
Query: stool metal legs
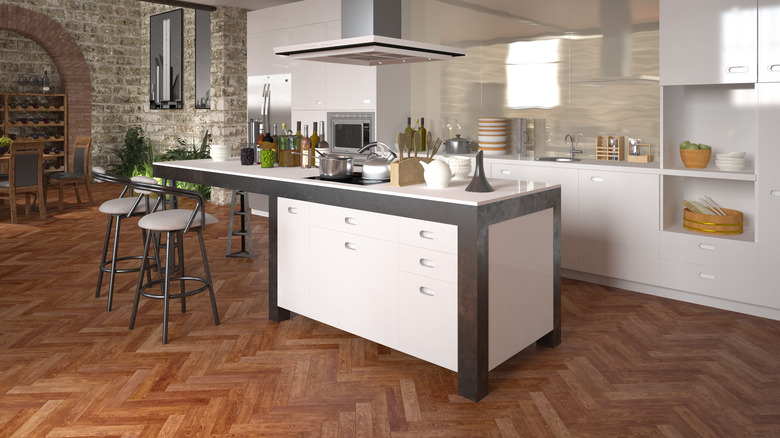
point(173, 238)
point(245, 232)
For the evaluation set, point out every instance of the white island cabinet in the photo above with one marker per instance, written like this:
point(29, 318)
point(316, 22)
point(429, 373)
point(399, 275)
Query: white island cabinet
point(462, 279)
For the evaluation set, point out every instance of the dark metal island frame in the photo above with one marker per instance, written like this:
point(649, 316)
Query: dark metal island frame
point(472, 213)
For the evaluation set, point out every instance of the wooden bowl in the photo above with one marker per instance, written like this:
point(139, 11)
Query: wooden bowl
point(695, 158)
point(714, 224)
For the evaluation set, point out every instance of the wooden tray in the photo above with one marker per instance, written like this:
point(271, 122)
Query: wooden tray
point(407, 172)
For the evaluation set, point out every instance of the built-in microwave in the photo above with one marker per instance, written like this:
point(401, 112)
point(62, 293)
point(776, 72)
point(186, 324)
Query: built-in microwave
point(349, 132)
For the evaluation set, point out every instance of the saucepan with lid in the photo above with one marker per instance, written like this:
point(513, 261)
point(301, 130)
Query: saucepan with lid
point(335, 166)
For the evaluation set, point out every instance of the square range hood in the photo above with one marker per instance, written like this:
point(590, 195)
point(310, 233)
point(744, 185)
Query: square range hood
point(369, 50)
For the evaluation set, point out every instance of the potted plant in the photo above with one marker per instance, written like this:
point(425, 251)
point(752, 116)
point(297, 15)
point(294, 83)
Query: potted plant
point(5, 144)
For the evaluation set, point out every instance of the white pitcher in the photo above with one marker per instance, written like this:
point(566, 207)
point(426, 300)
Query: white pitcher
point(438, 174)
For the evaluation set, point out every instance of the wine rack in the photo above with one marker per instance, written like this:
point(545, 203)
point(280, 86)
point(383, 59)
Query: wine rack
point(33, 118)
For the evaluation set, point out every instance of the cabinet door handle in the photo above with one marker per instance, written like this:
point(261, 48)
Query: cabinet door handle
point(427, 291)
point(774, 67)
point(350, 220)
point(738, 69)
point(597, 179)
point(506, 172)
point(427, 263)
point(350, 246)
point(775, 192)
point(427, 235)
point(292, 210)
point(707, 246)
point(706, 276)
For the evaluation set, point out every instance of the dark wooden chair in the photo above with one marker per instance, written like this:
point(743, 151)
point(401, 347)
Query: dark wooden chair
point(79, 172)
point(25, 176)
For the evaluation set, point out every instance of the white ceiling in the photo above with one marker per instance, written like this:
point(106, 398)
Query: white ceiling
point(246, 4)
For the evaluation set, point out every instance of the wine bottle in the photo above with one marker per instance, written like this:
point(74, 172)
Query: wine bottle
point(297, 143)
point(315, 138)
point(45, 82)
point(323, 142)
point(423, 134)
point(307, 155)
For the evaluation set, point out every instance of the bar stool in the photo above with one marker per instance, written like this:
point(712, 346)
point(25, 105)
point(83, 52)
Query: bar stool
point(174, 223)
point(245, 232)
point(118, 209)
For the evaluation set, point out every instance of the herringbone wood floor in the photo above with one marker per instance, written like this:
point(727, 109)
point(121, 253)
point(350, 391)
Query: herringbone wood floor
point(629, 364)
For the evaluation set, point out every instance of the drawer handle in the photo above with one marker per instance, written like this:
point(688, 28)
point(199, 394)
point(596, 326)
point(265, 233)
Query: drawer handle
point(350, 246)
point(707, 246)
point(350, 220)
point(706, 276)
point(738, 69)
point(292, 210)
point(427, 291)
point(774, 67)
point(775, 192)
point(427, 235)
point(597, 179)
point(427, 263)
point(506, 172)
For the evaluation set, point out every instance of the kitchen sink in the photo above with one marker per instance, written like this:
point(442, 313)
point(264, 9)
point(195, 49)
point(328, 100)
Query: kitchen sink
point(560, 159)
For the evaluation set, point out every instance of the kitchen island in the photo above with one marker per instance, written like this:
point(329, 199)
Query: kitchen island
point(498, 252)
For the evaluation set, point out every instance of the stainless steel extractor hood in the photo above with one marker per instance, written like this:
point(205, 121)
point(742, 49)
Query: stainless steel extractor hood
point(370, 31)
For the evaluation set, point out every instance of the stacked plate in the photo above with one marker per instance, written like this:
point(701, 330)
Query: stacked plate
point(492, 135)
point(730, 161)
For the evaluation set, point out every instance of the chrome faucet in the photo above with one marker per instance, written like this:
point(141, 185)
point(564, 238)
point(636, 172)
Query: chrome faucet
point(572, 151)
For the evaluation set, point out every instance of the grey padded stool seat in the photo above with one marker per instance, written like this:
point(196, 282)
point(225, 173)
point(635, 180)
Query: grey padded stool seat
point(123, 207)
point(174, 223)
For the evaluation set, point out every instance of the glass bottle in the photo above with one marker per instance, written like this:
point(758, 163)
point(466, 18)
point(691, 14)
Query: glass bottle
point(45, 82)
point(323, 142)
point(258, 143)
point(307, 155)
point(315, 138)
point(423, 134)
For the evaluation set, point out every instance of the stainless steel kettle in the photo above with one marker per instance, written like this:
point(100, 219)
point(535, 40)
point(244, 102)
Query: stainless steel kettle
point(377, 167)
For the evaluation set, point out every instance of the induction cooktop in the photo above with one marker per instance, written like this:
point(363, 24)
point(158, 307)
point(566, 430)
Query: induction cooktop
point(356, 179)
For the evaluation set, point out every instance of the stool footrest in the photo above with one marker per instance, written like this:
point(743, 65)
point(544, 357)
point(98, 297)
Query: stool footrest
point(176, 295)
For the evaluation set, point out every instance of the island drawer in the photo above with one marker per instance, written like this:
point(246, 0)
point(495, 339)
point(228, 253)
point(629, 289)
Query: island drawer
point(428, 263)
point(358, 222)
point(428, 319)
point(709, 251)
point(426, 234)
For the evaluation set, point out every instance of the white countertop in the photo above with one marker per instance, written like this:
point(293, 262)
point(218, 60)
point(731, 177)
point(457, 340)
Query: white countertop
point(455, 193)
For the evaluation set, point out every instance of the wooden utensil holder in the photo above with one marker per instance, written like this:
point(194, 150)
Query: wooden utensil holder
point(407, 172)
point(612, 153)
point(641, 158)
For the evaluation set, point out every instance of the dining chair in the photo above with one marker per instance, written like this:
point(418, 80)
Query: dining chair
point(25, 176)
point(79, 172)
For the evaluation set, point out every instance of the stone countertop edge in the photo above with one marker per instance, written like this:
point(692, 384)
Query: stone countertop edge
point(455, 193)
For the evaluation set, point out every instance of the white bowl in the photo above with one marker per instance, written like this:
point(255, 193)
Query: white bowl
point(730, 160)
point(492, 119)
point(219, 152)
point(730, 155)
point(730, 167)
point(492, 125)
point(492, 138)
point(492, 145)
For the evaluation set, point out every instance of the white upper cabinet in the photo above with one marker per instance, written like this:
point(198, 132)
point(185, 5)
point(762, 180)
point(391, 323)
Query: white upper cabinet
point(768, 41)
point(708, 41)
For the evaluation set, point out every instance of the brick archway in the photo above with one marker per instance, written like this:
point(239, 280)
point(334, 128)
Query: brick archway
point(67, 56)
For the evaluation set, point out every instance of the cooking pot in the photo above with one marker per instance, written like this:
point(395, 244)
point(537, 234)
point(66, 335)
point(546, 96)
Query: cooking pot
point(377, 167)
point(458, 145)
point(335, 166)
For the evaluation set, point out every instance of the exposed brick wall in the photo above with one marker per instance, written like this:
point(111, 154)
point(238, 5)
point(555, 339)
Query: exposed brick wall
point(97, 51)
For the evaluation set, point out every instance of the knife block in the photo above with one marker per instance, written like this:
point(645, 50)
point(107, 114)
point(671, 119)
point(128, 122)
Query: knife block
point(407, 172)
